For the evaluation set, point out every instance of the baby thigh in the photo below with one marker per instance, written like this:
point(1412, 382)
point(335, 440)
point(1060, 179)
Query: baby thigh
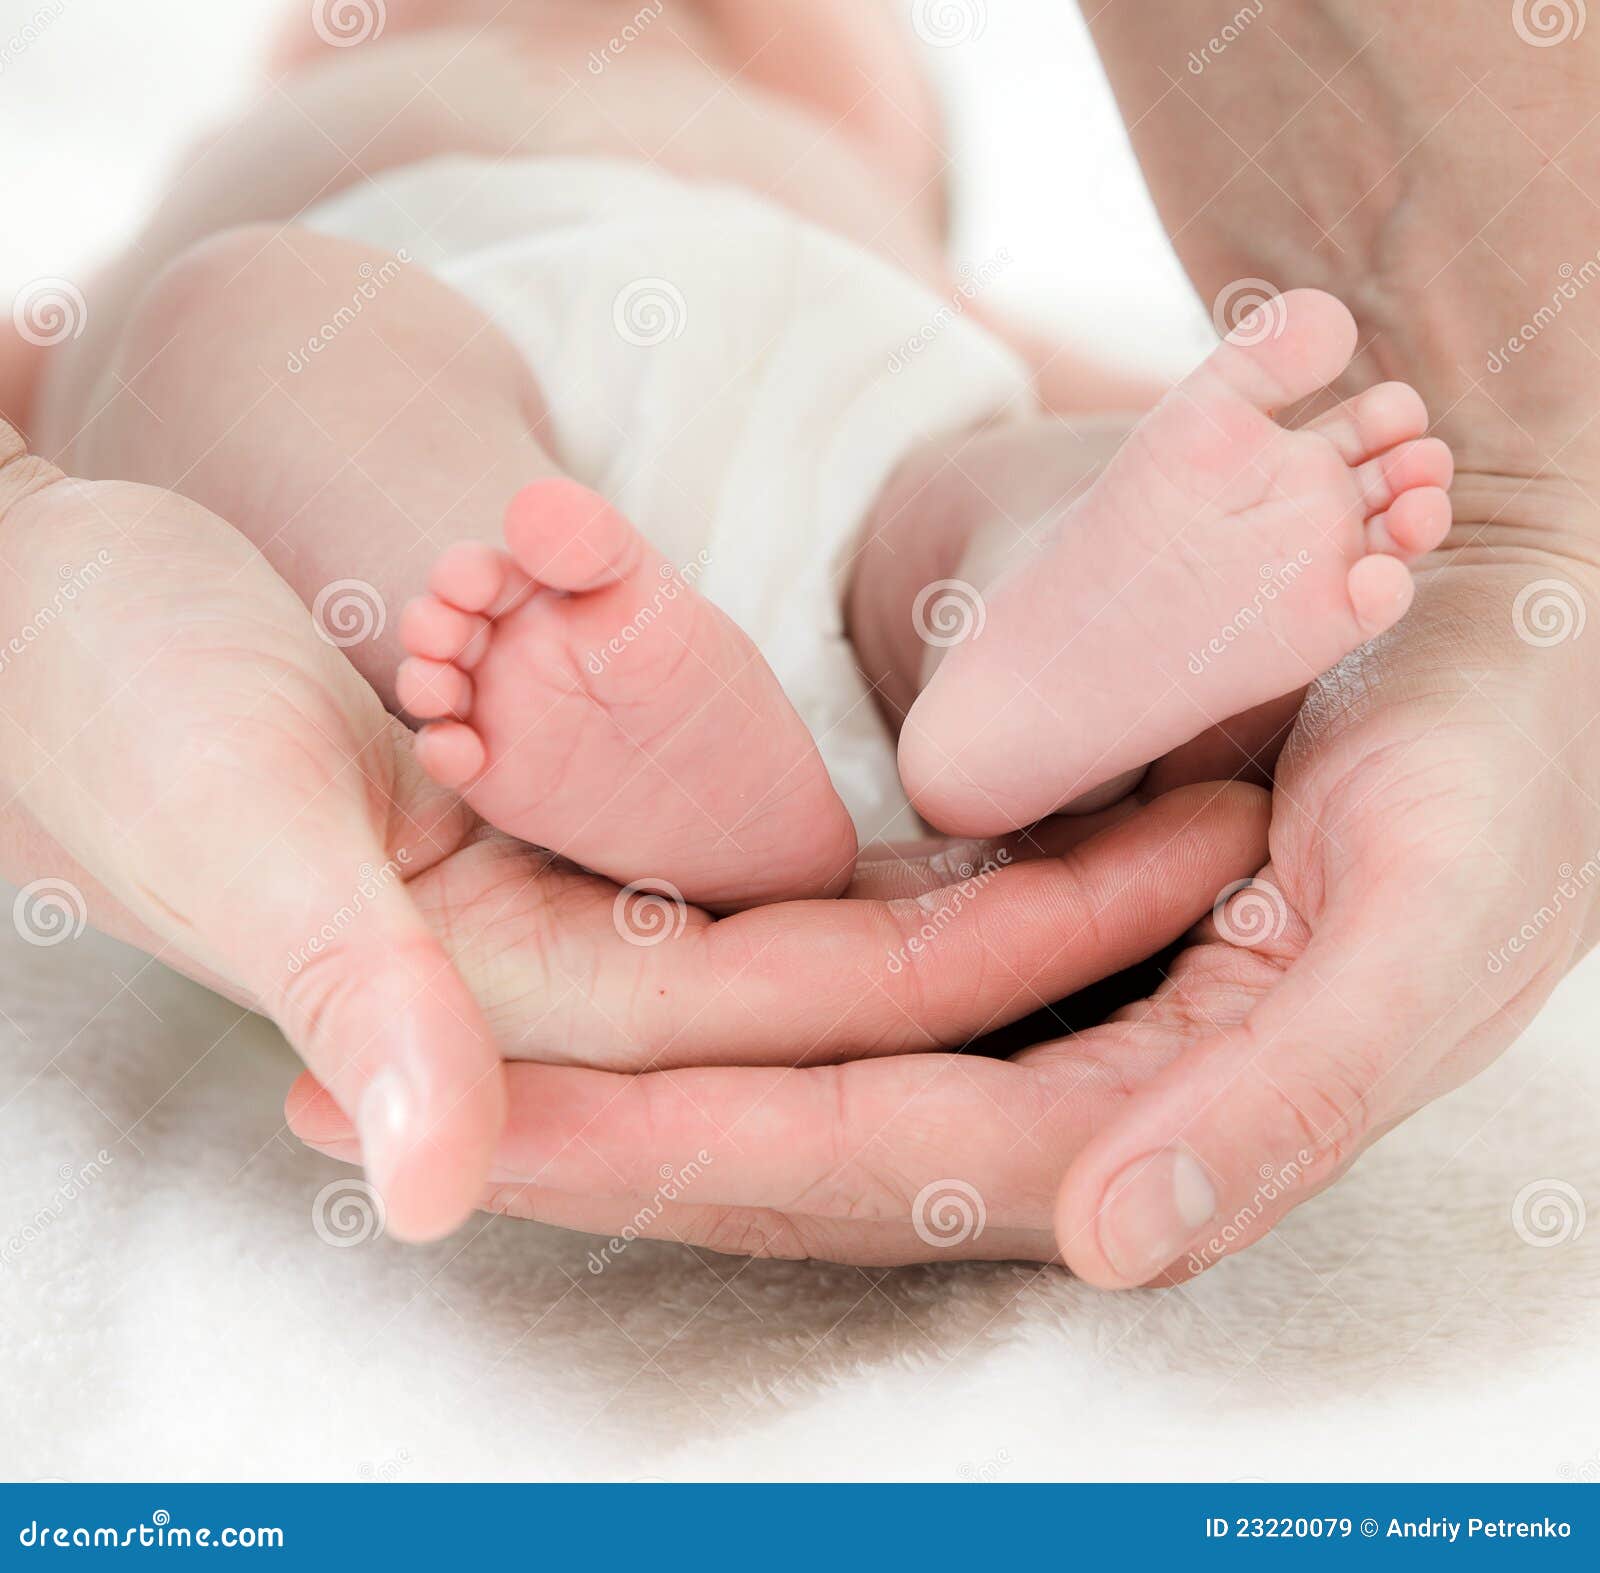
point(349, 413)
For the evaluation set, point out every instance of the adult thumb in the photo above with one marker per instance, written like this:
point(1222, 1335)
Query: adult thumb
point(379, 1013)
point(1210, 1154)
point(186, 737)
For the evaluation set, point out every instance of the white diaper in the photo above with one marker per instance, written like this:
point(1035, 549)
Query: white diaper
point(740, 383)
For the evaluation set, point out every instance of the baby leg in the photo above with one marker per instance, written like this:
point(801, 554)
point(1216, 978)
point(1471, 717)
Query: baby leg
point(852, 66)
point(365, 427)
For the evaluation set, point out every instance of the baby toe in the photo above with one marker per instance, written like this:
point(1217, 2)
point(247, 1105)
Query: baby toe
point(1374, 421)
point(469, 576)
point(1427, 462)
point(1288, 348)
point(431, 689)
point(452, 754)
point(1417, 523)
point(1381, 590)
point(436, 631)
point(567, 537)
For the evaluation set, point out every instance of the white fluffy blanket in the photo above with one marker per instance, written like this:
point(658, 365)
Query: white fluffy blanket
point(168, 1309)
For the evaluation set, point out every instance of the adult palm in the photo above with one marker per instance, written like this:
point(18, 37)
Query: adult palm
point(1379, 958)
point(1435, 833)
point(186, 746)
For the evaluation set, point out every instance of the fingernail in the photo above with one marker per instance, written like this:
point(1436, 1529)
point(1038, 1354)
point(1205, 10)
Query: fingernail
point(383, 1121)
point(1151, 1211)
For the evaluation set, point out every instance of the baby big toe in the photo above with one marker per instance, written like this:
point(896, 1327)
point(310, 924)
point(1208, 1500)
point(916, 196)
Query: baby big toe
point(1285, 350)
point(567, 537)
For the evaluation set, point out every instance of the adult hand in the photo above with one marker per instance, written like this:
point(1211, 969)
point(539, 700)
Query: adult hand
point(189, 764)
point(1426, 812)
point(1435, 833)
point(223, 789)
point(1433, 843)
point(1435, 837)
point(878, 1160)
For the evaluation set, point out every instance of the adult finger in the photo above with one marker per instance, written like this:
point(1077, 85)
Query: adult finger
point(813, 981)
point(672, 1212)
point(227, 774)
point(893, 871)
point(1217, 1147)
point(948, 1147)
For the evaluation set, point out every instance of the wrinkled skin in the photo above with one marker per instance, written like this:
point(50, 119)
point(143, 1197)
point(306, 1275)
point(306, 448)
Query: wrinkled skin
point(225, 791)
point(1434, 793)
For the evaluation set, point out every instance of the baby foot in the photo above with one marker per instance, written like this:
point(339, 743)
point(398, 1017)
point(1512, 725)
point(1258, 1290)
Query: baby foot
point(1218, 562)
point(585, 699)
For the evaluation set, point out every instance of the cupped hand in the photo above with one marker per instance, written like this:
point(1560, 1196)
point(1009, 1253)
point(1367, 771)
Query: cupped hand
point(1435, 840)
point(191, 764)
point(1432, 851)
point(1435, 834)
point(1435, 843)
point(909, 961)
point(188, 746)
